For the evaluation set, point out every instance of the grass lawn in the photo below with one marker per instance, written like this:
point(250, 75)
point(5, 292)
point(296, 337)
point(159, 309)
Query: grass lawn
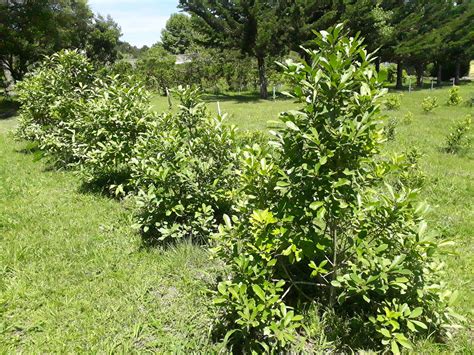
point(74, 277)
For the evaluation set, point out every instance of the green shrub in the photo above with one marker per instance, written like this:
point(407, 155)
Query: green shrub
point(318, 221)
point(390, 128)
point(408, 118)
point(393, 102)
point(183, 168)
point(429, 104)
point(458, 136)
point(454, 98)
point(111, 120)
point(51, 97)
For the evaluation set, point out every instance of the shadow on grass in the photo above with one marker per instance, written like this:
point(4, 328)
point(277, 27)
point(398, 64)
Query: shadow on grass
point(8, 109)
point(241, 97)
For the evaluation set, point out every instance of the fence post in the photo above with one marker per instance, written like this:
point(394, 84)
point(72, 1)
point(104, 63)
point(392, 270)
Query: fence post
point(218, 109)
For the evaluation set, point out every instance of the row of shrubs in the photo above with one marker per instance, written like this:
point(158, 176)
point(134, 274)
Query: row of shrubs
point(317, 216)
point(429, 103)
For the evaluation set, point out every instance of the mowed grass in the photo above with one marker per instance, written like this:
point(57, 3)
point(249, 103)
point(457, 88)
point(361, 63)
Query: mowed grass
point(246, 111)
point(74, 277)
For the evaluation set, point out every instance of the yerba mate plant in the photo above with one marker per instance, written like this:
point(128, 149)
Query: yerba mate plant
point(51, 98)
point(183, 170)
point(317, 221)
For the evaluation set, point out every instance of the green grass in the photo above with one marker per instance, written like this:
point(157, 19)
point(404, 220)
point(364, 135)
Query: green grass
point(246, 111)
point(74, 277)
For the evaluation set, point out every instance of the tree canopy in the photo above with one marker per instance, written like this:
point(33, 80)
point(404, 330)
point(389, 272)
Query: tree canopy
point(176, 37)
point(33, 29)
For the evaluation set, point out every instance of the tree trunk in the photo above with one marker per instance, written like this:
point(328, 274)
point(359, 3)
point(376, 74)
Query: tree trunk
point(419, 75)
point(262, 77)
point(440, 71)
point(399, 85)
point(458, 72)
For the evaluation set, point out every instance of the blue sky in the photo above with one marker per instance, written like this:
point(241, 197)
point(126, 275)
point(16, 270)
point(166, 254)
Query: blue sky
point(141, 20)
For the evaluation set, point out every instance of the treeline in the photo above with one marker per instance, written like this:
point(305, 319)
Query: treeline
point(411, 33)
point(32, 29)
point(234, 45)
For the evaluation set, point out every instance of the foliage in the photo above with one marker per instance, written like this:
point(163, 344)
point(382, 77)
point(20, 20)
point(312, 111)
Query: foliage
point(79, 118)
point(157, 69)
point(429, 103)
point(322, 223)
point(454, 98)
point(52, 97)
point(183, 169)
point(107, 129)
point(457, 138)
point(260, 28)
point(32, 29)
point(103, 40)
point(408, 118)
point(177, 36)
point(410, 173)
point(390, 128)
point(393, 102)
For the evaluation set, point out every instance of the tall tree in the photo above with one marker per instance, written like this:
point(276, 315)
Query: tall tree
point(260, 28)
point(103, 40)
point(33, 28)
point(177, 36)
point(457, 35)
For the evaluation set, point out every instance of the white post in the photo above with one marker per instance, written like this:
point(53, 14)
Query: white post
point(432, 81)
point(274, 94)
point(453, 80)
point(409, 84)
point(218, 108)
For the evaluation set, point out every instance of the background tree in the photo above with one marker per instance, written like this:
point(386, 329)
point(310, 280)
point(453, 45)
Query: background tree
point(457, 35)
point(103, 40)
point(157, 68)
point(258, 28)
point(32, 29)
point(177, 37)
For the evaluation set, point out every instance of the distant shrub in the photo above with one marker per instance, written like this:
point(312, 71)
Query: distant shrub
point(458, 136)
point(393, 102)
point(390, 128)
point(454, 98)
point(318, 221)
point(408, 118)
point(409, 173)
point(51, 97)
point(183, 168)
point(429, 104)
